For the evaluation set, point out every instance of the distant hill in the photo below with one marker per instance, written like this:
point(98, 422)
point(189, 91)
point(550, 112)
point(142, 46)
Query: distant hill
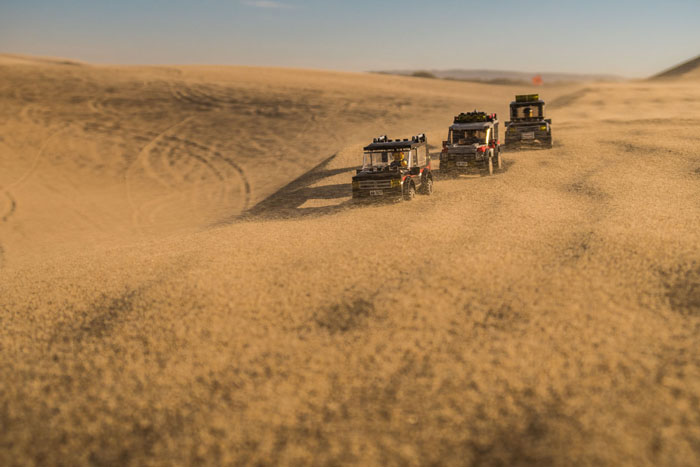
point(691, 67)
point(15, 59)
point(504, 76)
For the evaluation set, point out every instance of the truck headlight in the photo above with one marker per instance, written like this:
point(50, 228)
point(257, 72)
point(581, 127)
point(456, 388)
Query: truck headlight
point(543, 128)
point(355, 185)
point(395, 183)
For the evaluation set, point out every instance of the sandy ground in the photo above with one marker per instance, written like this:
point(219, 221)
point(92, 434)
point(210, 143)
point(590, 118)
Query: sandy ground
point(183, 279)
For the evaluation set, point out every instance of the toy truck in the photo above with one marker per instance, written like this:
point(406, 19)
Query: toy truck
point(394, 169)
point(527, 127)
point(472, 145)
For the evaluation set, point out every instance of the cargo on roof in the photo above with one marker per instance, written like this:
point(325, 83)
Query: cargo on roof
point(527, 98)
point(383, 143)
point(473, 117)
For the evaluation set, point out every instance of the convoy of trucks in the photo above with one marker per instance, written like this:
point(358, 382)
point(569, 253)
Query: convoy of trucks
point(399, 169)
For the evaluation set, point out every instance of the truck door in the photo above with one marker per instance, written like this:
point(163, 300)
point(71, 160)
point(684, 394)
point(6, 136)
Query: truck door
point(422, 160)
point(414, 167)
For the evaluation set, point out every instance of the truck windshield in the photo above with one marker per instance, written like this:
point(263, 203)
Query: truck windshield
point(469, 136)
point(376, 159)
point(383, 159)
point(527, 111)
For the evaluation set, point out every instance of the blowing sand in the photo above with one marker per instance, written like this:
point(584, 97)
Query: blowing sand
point(184, 280)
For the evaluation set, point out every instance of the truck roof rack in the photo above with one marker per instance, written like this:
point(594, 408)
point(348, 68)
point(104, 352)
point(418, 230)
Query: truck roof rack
point(474, 117)
point(527, 98)
point(384, 143)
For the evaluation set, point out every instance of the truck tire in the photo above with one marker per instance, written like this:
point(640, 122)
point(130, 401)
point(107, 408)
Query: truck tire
point(499, 160)
point(410, 192)
point(490, 164)
point(427, 188)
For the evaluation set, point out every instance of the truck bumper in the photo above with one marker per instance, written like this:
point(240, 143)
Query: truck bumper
point(376, 195)
point(462, 165)
point(536, 139)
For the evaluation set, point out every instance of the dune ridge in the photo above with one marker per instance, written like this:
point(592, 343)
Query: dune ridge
point(689, 69)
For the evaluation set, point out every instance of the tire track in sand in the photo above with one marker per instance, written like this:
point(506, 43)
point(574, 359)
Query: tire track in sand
point(192, 156)
point(201, 97)
point(21, 179)
point(210, 154)
point(12, 209)
point(28, 173)
point(37, 158)
point(142, 158)
point(242, 174)
point(158, 158)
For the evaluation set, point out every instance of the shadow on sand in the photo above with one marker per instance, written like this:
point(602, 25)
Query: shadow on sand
point(287, 202)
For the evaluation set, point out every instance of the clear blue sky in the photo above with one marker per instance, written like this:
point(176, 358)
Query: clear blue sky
point(632, 38)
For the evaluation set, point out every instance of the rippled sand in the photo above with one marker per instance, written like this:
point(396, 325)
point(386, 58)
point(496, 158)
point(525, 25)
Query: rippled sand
point(183, 278)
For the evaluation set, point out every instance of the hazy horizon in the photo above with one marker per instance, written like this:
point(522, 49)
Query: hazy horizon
point(623, 37)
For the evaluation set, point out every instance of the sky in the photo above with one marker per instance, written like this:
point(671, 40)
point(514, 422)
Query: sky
point(623, 37)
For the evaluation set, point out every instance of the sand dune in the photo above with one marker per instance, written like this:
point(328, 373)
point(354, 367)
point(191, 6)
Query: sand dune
point(686, 70)
point(183, 278)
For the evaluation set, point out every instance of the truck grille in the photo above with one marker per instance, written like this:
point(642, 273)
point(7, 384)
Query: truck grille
point(375, 184)
point(462, 157)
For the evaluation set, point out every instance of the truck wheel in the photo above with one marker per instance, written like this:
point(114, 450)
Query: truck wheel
point(427, 187)
point(410, 192)
point(490, 165)
point(500, 161)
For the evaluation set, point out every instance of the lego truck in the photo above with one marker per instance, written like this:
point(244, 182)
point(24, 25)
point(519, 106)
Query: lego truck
point(527, 127)
point(394, 169)
point(472, 145)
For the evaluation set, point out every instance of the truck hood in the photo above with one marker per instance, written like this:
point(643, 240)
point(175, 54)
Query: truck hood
point(463, 149)
point(366, 175)
point(530, 123)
